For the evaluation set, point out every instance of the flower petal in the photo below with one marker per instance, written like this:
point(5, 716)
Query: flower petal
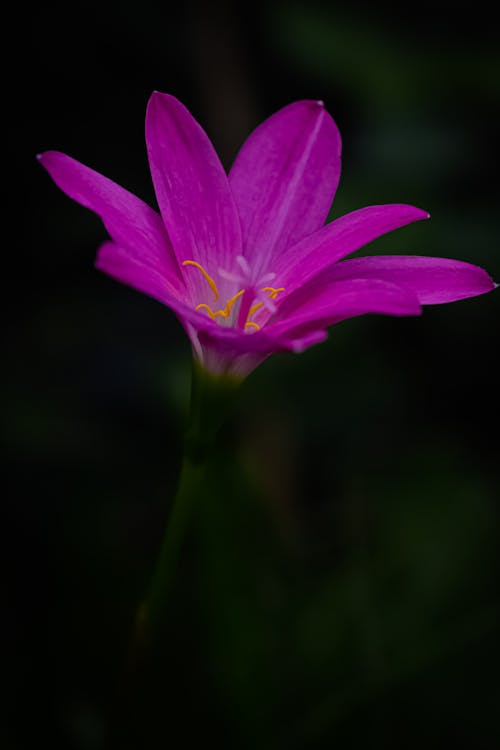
point(232, 356)
point(221, 350)
point(121, 265)
point(433, 280)
point(318, 305)
point(223, 342)
point(299, 325)
point(229, 352)
point(192, 189)
point(341, 237)
point(284, 180)
point(129, 221)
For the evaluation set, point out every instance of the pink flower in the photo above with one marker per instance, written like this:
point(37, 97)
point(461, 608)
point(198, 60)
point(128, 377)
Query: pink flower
point(244, 260)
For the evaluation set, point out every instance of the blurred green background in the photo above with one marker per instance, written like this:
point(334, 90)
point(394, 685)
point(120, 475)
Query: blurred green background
point(339, 584)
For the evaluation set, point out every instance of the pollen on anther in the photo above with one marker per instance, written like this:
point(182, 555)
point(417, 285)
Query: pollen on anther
point(211, 283)
point(251, 324)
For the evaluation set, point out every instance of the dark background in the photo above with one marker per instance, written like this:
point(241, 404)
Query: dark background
point(339, 585)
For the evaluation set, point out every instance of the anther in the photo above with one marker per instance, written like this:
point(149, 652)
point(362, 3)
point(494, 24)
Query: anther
point(220, 313)
point(208, 279)
point(273, 293)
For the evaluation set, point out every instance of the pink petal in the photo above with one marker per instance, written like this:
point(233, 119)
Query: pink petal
point(229, 352)
point(299, 323)
point(192, 189)
point(221, 349)
point(129, 221)
point(284, 180)
point(232, 356)
point(432, 280)
point(339, 238)
point(317, 306)
point(123, 266)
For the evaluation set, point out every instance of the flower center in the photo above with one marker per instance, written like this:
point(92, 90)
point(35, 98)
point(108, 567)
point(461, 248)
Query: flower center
point(246, 296)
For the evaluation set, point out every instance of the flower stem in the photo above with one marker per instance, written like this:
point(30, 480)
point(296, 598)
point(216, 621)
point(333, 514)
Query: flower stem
point(139, 706)
point(211, 400)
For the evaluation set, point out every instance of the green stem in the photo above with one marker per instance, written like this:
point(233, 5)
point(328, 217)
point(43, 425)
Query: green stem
point(152, 610)
point(211, 400)
point(140, 703)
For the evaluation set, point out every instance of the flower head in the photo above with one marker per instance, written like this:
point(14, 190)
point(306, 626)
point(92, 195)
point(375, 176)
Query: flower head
point(245, 260)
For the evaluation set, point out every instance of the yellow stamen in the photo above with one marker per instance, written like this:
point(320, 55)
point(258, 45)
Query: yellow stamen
point(226, 311)
point(273, 293)
point(208, 279)
point(254, 308)
point(203, 306)
point(221, 313)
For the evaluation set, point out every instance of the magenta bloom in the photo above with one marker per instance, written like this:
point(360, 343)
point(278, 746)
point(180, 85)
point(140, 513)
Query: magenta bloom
point(244, 260)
